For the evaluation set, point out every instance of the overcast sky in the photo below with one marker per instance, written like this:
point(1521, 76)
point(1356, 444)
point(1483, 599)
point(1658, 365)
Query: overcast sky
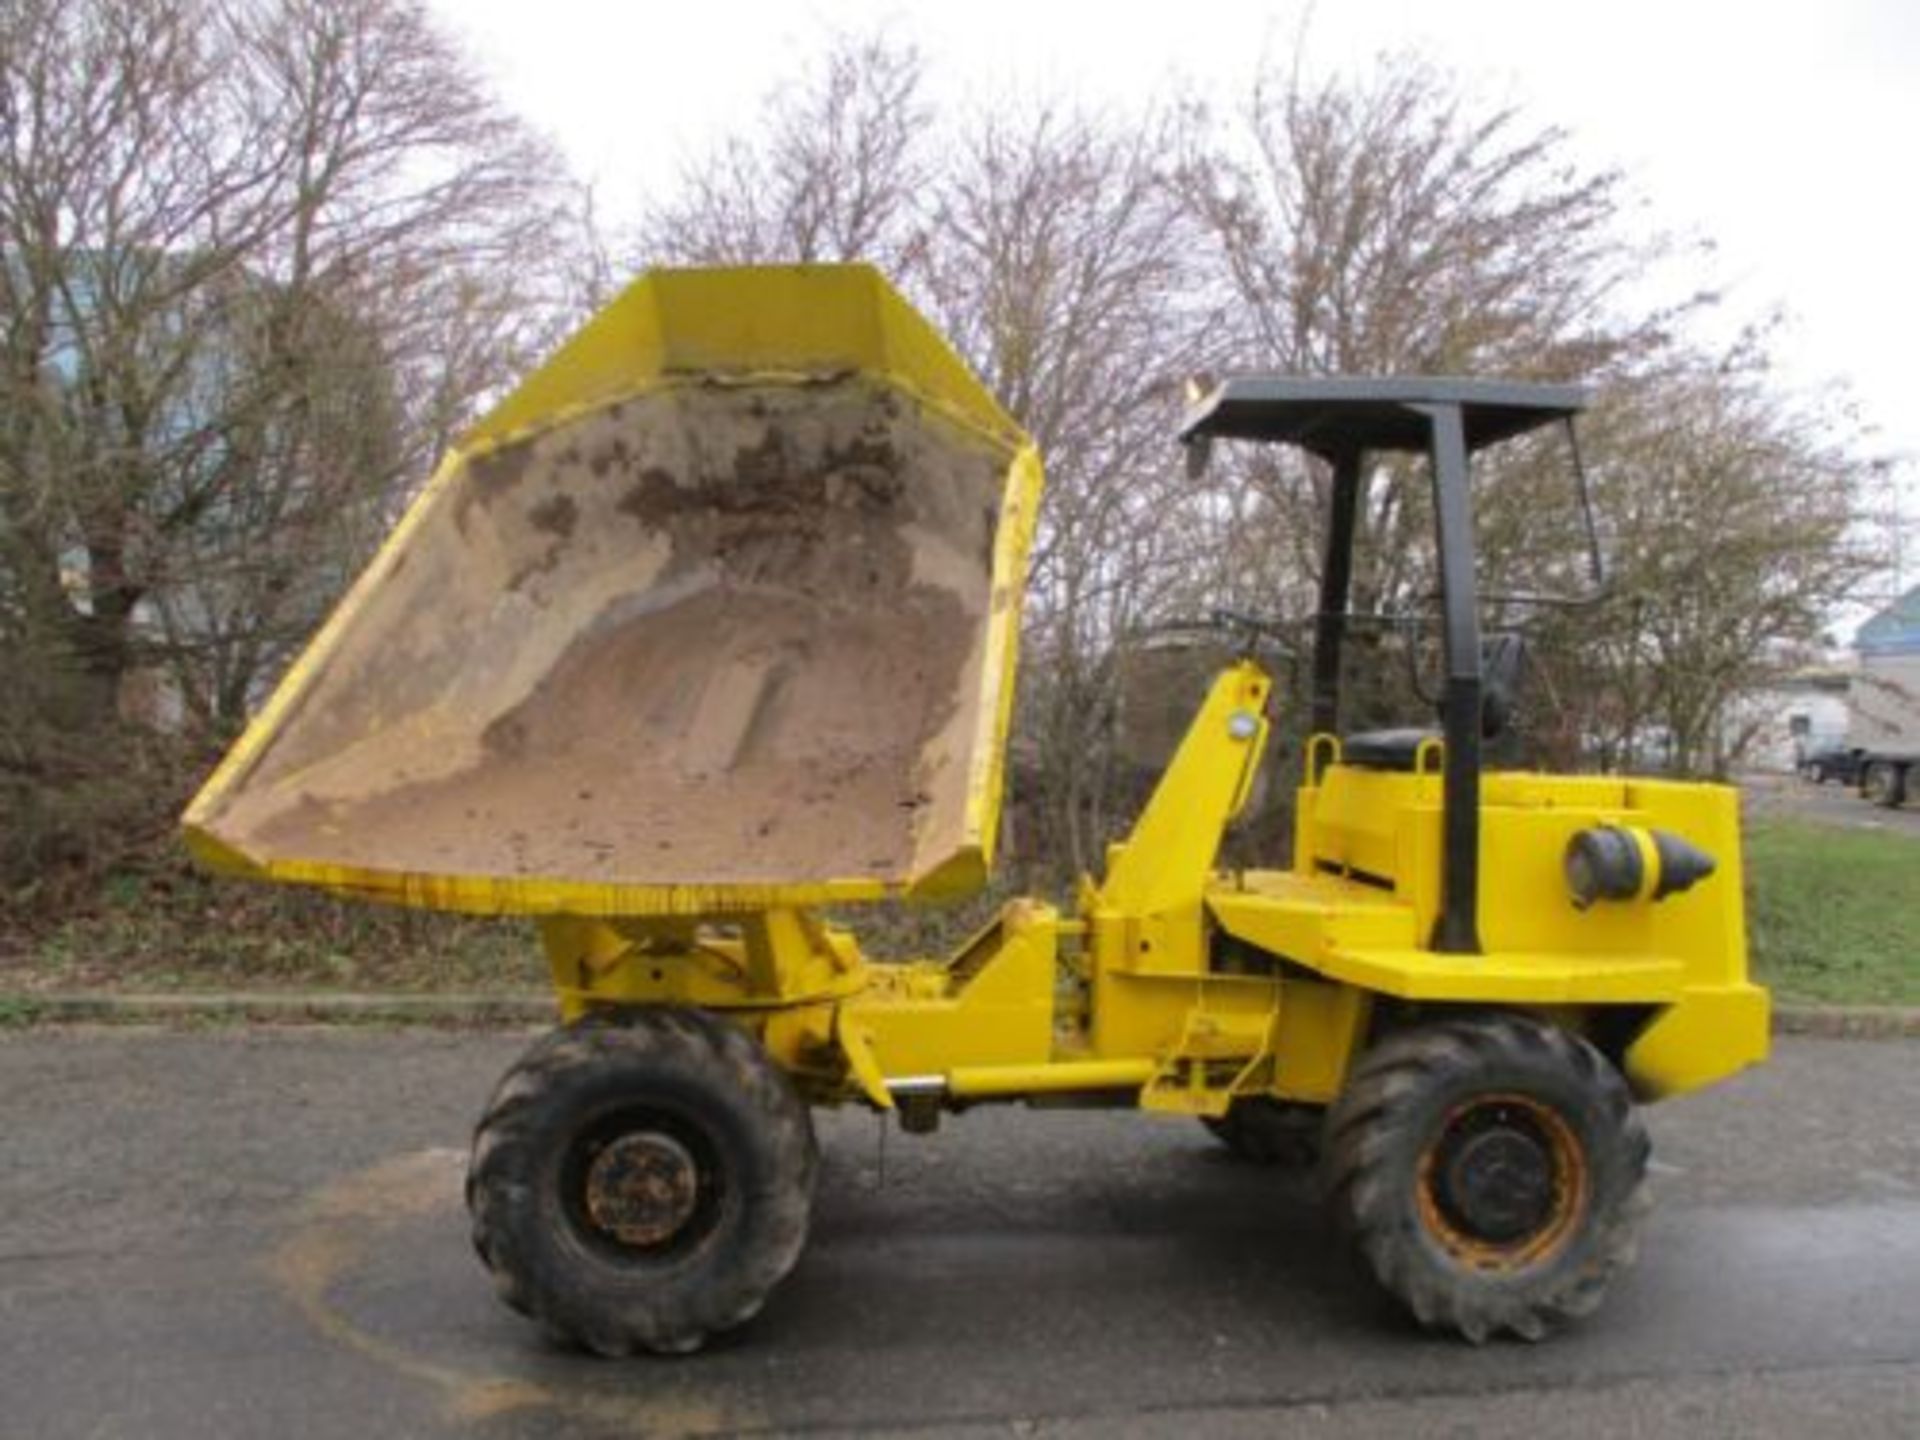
point(1785, 133)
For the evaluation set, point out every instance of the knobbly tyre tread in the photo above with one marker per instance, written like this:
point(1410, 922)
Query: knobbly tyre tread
point(604, 1306)
point(1390, 1110)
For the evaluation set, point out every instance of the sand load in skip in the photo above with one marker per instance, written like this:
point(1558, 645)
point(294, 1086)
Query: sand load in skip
point(722, 618)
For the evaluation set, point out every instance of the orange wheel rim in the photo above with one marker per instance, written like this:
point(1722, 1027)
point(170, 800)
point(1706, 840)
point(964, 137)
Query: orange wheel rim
point(1503, 1184)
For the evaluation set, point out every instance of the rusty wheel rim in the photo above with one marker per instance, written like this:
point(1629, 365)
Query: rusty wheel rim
point(642, 1186)
point(1504, 1184)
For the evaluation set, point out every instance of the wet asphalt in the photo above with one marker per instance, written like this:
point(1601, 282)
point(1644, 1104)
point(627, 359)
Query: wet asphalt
point(258, 1233)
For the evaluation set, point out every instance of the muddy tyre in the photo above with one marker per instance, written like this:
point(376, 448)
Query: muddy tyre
point(1491, 1173)
point(1264, 1131)
point(641, 1183)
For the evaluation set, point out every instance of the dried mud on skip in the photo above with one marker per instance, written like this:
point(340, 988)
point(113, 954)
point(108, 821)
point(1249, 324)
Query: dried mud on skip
point(709, 635)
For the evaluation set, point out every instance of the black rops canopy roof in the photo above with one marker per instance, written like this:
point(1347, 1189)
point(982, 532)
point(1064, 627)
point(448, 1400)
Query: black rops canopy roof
point(1329, 416)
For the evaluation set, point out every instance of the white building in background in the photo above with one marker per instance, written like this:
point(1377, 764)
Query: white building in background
point(1773, 729)
point(1886, 692)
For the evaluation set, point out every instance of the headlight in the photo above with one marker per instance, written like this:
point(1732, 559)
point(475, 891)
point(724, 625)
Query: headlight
point(1625, 862)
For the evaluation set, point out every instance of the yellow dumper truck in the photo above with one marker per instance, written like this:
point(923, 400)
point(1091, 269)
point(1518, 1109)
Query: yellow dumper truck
point(712, 624)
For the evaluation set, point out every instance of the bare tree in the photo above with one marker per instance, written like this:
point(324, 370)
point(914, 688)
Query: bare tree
point(257, 263)
point(831, 171)
point(1058, 260)
point(411, 274)
point(1389, 225)
point(1734, 521)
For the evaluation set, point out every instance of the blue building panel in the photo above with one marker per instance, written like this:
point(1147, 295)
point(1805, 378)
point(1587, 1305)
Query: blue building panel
point(1895, 630)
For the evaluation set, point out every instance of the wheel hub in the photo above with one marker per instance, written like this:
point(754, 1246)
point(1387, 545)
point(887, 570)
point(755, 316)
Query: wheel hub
point(1504, 1183)
point(642, 1188)
point(1497, 1184)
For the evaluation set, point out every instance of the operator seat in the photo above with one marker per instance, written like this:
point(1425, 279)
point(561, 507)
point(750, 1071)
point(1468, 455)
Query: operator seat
point(1396, 749)
point(1502, 658)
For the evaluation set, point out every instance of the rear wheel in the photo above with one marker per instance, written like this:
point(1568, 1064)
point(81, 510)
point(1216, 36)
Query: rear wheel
point(1884, 783)
point(1265, 1131)
point(1491, 1171)
point(641, 1183)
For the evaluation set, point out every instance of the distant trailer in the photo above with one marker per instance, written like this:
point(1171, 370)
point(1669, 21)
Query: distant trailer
point(1883, 704)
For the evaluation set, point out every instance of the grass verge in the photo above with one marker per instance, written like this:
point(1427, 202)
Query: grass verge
point(163, 926)
point(1833, 914)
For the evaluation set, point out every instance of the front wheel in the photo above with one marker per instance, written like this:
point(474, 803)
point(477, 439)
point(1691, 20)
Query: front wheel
point(641, 1182)
point(1491, 1171)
